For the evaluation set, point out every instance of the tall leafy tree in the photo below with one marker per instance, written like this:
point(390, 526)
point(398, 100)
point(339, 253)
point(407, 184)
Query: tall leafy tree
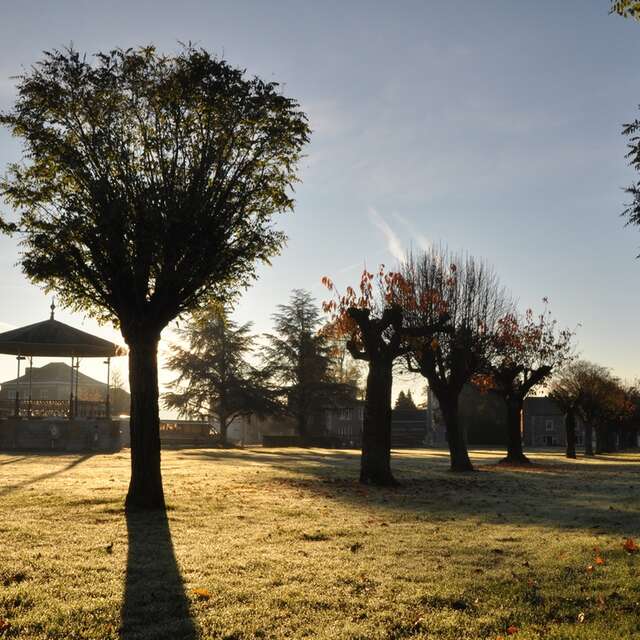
point(149, 190)
point(524, 352)
point(298, 357)
point(215, 377)
point(468, 291)
point(632, 210)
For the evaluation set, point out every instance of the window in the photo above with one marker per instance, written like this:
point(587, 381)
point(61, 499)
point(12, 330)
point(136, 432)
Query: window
point(11, 394)
point(44, 394)
point(345, 414)
point(548, 425)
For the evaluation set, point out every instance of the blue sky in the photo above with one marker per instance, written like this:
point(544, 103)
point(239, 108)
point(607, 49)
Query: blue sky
point(491, 126)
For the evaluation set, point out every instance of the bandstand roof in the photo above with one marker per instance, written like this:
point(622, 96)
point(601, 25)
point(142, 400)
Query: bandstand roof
point(56, 339)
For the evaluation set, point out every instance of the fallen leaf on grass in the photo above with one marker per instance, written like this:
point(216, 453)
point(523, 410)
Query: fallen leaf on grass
point(202, 594)
point(599, 560)
point(581, 617)
point(589, 568)
point(630, 546)
point(512, 630)
point(4, 624)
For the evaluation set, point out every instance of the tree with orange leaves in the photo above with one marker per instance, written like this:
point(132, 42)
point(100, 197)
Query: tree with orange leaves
point(371, 321)
point(525, 350)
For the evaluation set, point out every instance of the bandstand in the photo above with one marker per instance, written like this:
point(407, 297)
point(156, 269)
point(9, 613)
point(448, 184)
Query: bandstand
point(70, 424)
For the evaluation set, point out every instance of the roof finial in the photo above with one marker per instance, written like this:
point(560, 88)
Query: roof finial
point(53, 308)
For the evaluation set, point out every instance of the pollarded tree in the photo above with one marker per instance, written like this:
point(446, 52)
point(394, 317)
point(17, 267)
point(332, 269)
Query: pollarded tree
point(596, 391)
point(565, 390)
point(215, 376)
point(149, 190)
point(524, 352)
point(299, 359)
point(629, 420)
point(371, 321)
point(614, 411)
point(469, 291)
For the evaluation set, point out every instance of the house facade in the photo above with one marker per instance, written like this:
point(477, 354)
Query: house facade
point(543, 424)
point(53, 382)
point(342, 426)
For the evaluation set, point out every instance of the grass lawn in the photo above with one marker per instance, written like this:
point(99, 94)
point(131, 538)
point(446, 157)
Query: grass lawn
point(285, 544)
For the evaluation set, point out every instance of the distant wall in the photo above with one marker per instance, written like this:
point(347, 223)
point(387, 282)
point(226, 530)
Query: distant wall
point(52, 434)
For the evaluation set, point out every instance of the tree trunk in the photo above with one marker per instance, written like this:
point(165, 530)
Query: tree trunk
point(145, 488)
point(224, 427)
point(375, 463)
point(459, 454)
point(588, 439)
point(515, 454)
point(600, 444)
point(303, 431)
point(570, 428)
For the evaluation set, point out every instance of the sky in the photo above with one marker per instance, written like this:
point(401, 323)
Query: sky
point(493, 127)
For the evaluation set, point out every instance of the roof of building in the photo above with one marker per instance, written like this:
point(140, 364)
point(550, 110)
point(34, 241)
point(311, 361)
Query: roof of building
point(56, 339)
point(53, 373)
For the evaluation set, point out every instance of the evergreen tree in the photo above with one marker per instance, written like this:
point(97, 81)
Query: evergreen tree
point(215, 378)
point(298, 357)
point(405, 402)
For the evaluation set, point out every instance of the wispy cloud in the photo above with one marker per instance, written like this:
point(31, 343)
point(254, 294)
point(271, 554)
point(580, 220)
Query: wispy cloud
point(420, 239)
point(394, 245)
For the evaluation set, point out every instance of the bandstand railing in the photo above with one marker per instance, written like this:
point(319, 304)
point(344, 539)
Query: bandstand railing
point(52, 408)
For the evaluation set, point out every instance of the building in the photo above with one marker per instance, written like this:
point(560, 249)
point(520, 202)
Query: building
point(342, 426)
point(52, 382)
point(543, 424)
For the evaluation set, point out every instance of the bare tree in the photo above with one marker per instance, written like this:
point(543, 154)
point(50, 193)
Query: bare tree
point(468, 291)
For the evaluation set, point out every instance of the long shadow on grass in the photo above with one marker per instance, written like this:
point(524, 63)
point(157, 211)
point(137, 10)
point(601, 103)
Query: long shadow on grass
point(45, 476)
point(155, 603)
point(567, 495)
point(13, 460)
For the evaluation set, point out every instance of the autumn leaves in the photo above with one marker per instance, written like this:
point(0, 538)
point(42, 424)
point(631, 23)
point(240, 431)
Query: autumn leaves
point(447, 317)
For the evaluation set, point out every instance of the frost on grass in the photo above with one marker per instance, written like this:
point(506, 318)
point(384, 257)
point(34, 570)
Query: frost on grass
point(271, 544)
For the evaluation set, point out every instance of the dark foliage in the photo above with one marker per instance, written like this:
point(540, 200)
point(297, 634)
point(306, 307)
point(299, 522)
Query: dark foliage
point(148, 191)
